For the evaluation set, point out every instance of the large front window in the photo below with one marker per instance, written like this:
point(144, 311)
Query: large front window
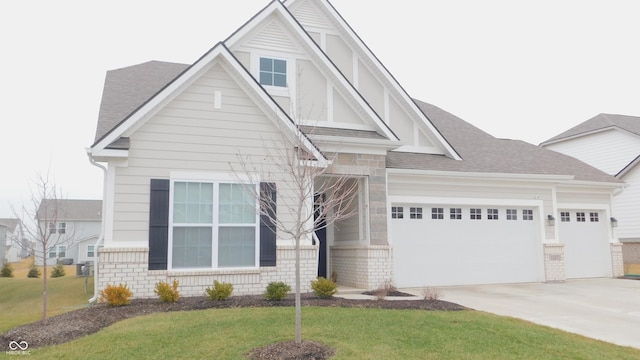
point(214, 225)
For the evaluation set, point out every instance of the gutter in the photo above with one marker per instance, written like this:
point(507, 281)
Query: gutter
point(101, 237)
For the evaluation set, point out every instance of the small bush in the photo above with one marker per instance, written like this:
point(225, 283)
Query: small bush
point(277, 290)
point(430, 294)
point(34, 272)
point(167, 293)
point(116, 295)
point(385, 289)
point(58, 271)
point(7, 270)
point(324, 288)
point(219, 291)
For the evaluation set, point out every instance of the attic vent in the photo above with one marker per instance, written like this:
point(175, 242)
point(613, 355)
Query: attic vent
point(217, 99)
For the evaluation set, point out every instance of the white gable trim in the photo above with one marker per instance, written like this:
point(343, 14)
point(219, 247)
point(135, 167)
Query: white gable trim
point(318, 57)
point(217, 54)
point(587, 133)
point(366, 53)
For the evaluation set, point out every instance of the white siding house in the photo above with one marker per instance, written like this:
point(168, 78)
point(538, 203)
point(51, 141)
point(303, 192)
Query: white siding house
point(611, 143)
point(439, 201)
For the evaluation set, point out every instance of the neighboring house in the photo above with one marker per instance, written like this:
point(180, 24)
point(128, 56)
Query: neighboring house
point(74, 226)
point(11, 239)
point(611, 143)
point(440, 202)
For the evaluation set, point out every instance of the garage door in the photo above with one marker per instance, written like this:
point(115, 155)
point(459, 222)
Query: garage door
point(451, 245)
point(585, 236)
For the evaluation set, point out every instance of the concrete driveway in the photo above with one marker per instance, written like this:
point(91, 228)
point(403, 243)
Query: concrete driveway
point(604, 309)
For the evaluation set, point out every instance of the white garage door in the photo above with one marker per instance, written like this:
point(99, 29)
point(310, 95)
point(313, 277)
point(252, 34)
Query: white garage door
point(453, 245)
point(587, 252)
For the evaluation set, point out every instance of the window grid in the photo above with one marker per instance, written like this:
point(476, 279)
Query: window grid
point(527, 214)
point(594, 217)
point(415, 213)
point(437, 213)
point(565, 216)
point(475, 214)
point(273, 72)
point(512, 214)
point(580, 217)
point(455, 214)
point(397, 212)
point(492, 214)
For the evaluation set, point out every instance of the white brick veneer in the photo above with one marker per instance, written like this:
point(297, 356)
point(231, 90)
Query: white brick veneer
point(130, 266)
point(617, 259)
point(363, 267)
point(554, 263)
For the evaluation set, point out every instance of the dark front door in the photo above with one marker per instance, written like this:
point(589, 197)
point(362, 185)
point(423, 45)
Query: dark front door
point(321, 233)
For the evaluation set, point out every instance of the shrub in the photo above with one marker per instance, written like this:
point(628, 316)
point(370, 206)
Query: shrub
point(277, 290)
point(430, 294)
point(116, 295)
point(167, 293)
point(385, 289)
point(58, 271)
point(219, 291)
point(34, 271)
point(7, 270)
point(324, 288)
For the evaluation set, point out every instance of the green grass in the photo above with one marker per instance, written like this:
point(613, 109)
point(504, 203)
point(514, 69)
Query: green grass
point(353, 333)
point(21, 297)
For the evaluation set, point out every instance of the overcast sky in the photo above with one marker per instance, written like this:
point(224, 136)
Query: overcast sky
point(516, 69)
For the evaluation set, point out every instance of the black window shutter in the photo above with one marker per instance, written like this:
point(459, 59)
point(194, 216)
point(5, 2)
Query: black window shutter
point(158, 224)
point(267, 226)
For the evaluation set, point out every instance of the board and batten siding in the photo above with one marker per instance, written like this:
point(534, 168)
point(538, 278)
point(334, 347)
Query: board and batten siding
point(609, 151)
point(189, 135)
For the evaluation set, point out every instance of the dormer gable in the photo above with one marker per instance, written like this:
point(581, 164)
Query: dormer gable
point(369, 76)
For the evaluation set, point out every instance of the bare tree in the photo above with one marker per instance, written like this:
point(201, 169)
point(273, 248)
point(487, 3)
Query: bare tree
point(311, 191)
point(40, 222)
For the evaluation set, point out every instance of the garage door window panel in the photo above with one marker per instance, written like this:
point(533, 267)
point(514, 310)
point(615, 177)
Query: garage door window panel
point(397, 212)
point(437, 213)
point(475, 214)
point(455, 214)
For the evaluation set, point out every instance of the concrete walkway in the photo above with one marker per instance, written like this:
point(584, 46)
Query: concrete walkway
point(603, 309)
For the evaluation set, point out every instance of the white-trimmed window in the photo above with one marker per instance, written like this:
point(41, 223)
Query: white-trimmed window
point(52, 228)
point(594, 217)
point(62, 228)
point(214, 224)
point(59, 251)
point(397, 212)
point(273, 72)
point(437, 213)
point(492, 214)
point(512, 214)
point(475, 214)
point(580, 217)
point(527, 214)
point(565, 216)
point(415, 213)
point(91, 251)
point(455, 213)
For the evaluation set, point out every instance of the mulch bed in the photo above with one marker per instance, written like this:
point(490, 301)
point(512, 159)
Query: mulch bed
point(78, 323)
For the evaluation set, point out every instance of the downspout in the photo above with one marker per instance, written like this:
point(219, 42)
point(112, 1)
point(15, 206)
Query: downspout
point(101, 237)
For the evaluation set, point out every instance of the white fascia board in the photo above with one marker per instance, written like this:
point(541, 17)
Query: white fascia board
point(477, 175)
point(103, 155)
point(366, 53)
point(598, 184)
point(312, 48)
point(576, 136)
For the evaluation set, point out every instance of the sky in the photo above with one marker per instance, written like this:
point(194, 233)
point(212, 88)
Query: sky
point(523, 70)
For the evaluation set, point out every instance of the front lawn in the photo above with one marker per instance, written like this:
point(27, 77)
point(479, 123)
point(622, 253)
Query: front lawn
point(353, 333)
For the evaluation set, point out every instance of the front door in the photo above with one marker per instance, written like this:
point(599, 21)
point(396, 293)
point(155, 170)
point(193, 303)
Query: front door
point(321, 233)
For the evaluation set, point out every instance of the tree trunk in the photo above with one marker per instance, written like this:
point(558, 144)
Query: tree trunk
point(44, 291)
point(298, 303)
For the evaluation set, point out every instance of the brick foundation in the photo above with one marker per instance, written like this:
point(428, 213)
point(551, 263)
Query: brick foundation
point(617, 262)
point(554, 263)
point(363, 267)
point(130, 266)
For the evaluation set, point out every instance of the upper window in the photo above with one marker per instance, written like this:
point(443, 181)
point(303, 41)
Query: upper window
point(91, 251)
point(437, 213)
point(512, 214)
point(62, 228)
point(273, 72)
point(214, 225)
point(397, 212)
point(492, 214)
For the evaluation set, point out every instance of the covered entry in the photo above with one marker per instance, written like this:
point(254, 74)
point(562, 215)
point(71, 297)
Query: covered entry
point(459, 245)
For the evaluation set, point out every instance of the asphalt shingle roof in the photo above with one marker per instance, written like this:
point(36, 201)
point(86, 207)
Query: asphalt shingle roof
point(600, 122)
